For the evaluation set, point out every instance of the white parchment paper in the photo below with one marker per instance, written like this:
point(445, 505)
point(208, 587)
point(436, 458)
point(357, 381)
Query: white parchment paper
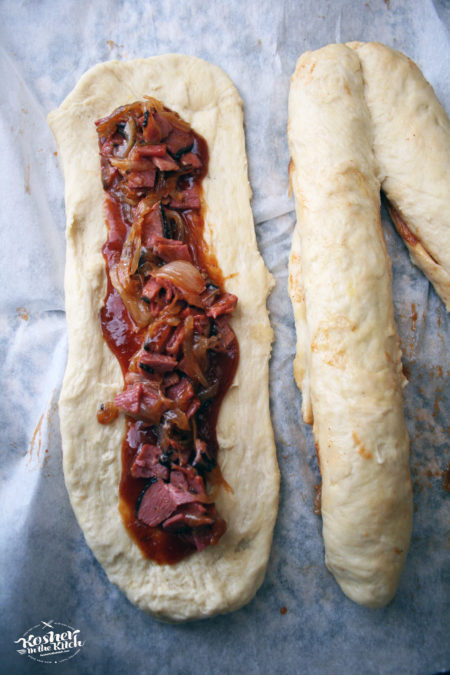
point(299, 622)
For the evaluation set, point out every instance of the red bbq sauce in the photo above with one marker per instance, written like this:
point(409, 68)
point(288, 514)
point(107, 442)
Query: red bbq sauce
point(153, 162)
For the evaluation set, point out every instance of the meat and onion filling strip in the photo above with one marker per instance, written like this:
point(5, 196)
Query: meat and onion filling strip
point(166, 318)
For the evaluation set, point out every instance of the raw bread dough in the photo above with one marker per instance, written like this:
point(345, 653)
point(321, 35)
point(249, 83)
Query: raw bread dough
point(224, 577)
point(348, 364)
point(412, 148)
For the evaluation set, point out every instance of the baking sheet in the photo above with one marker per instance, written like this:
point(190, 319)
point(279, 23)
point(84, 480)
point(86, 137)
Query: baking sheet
point(299, 621)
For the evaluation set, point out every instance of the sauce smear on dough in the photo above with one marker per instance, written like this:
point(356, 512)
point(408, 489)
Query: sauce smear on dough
point(166, 319)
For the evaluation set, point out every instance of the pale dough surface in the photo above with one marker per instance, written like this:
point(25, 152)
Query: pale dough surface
point(349, 361)
point(223, 577)
point(411, 132)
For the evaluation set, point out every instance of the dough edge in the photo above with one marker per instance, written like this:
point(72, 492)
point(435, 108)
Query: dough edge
point(372, 585)
point(224, 577)
point(412, 148)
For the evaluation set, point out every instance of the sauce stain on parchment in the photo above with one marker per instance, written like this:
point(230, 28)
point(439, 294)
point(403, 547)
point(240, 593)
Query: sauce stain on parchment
point(113, 45)
point(437, 400)
point(424, 473)
point(27, 179)
point(36, 442)
point(22, 313)
point(446, 478)
point(413, 316)
point(36, 459)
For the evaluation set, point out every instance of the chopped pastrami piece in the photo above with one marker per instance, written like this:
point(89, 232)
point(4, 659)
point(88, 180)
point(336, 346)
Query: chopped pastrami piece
point(161, 363)
point(196, 482)
point(193, 407)
point(170, 249)
point(224, 305)
point(151, 131)
point(143, 401)
point(138, 179)
point(163, 123)
point(176, 340)
point(179, 142)
point(181, 392)
point(170, 379)
point(204, 537)
point(154, 285)
point(202, 540)
point(179, 480)
point(129, 399)
point(116, 225)
point(189, 516)
point(189, 159)
point(147, 463)
point(225, 333)
point(160, 501)
point(158, 150)
point(157, 341)
point(188, 199)
point(165, 163)
point(152, 226)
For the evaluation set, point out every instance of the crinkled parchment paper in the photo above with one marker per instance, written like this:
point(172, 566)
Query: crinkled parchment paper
point(299, 622)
